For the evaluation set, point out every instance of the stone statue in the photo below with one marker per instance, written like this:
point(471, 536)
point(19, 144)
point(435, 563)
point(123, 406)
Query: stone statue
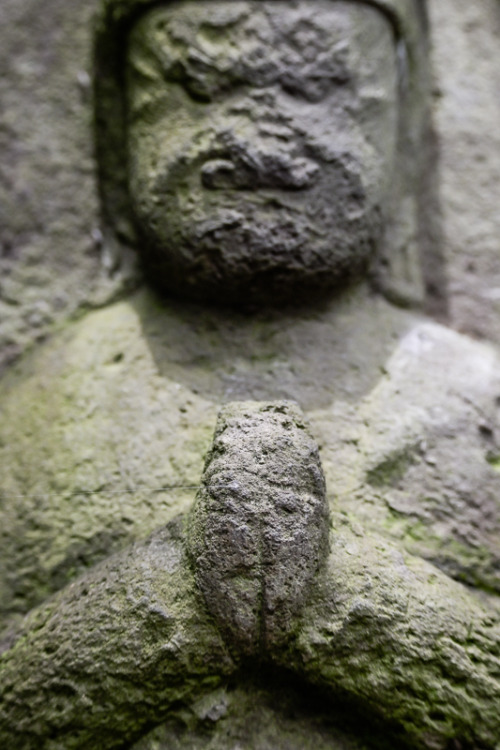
point(270, 161)
point(300, 160)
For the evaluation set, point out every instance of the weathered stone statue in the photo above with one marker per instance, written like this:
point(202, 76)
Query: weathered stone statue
point(300, 158)
point(270, 161)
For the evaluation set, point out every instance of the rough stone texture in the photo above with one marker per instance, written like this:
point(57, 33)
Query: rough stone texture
point(110, 436)
point(375, 138)
point(387, 636)
point(413, 451)
point(419, 456)
point(409, 444)
point(110, 654)
point(258, 531)
point(252, 199)
point(123, 403)
point(414, 459)
point(52, 259)
point(406, 643)
point(416, 462)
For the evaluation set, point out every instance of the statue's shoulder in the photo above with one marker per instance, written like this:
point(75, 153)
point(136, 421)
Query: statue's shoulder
point(436, 382)
point(446, 361)
point(430, 447)
point(437, 386)
point(97, 449)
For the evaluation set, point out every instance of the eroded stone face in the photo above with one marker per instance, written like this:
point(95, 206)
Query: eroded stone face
point(261, 139)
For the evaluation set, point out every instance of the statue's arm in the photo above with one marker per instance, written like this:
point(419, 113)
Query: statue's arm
point(404, 644)
point(109, 655)
point(115, 651)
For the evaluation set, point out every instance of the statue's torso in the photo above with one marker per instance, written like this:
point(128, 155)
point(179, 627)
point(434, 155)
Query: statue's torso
point(103, 436)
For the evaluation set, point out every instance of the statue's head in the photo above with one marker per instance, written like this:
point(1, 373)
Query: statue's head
point(265, 149)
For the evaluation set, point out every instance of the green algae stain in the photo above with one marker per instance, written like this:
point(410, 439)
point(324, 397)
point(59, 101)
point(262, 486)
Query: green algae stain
point(390, 471)
point(494, 462)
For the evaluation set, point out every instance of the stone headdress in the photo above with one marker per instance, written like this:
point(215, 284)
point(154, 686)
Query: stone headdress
point(398, 270)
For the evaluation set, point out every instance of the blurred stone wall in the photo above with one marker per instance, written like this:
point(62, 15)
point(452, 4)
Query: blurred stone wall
point(466, 49)
point(52, 263)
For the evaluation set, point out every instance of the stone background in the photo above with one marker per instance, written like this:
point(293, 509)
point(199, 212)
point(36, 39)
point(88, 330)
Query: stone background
point(466, 51)
point(52, 263)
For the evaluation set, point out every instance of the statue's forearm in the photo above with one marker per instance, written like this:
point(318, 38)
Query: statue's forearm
point(404, 642)
point(107, 656)
point(151, 627)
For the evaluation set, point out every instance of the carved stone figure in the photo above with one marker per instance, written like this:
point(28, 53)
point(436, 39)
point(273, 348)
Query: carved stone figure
point(257, 153)
point(258, 193)
point(295, 168)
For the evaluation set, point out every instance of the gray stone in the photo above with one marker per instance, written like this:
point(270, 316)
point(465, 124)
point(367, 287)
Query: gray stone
point(53, 261)
point(103, 430)
point(390, 632)
point(255, 166)
point(237, 205)
point(258, 531)
point(110, 654)
point(58, 259)
point(381, 632)
point(466, 108)
point(274, 714)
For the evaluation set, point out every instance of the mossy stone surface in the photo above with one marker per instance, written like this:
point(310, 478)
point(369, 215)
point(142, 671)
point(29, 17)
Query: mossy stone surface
point(111, 653)
point(104, 432)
